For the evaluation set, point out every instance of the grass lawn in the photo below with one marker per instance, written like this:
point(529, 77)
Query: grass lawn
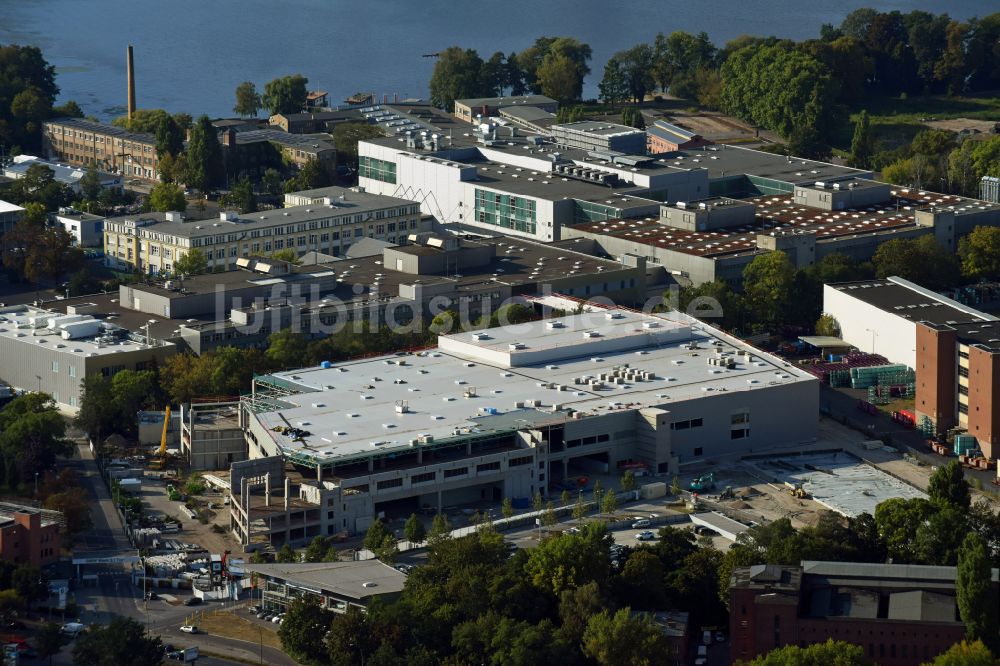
point(896, 121)
point(896, 405)
point(230, 625)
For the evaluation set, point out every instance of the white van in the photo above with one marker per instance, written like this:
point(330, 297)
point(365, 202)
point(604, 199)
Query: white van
point(706, 637)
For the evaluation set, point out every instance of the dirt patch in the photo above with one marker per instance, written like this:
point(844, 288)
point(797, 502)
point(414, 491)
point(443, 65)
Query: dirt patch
point(959, 124)
point(230, 625)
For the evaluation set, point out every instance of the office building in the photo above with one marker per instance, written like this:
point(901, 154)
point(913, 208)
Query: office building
point(473, 110)
point(152, 242)
point(29, 535)
point(335, 586)
point(899, 614)
point(54, 353)
point(86, 229)
point(257, 148)
point(111, 149)
point(504, 412)
point(592, 136)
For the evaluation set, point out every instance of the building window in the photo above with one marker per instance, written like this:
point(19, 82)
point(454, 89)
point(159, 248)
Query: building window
point(517, 462)
point(740, 433)
point(369, 167)
point(423, 478)
point(740, 417)
point(390, 483)
point(55, 366)
point(488, 467)
point(697, 451)
point(963, 372)
point(72, 371)
point(458, 471)
point(963, 408)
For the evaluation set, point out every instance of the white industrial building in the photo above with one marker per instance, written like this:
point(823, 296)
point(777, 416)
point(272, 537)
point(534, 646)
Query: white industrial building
point(880, 316)
point(505, 412)
point(53, 352)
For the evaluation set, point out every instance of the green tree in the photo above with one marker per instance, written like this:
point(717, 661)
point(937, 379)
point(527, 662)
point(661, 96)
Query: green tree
point(768, 287)
point(628, 482)
point(248, 101)
point(167, 196)
point(714, 301)
point(381, 542)
point(286, 94)
point(559, 78)
point(349, 638)
point(827, 325)
point(965, 654)
point(862, 143)
point(980, 254)
point(609, 502)
point(242, 196)
point(204, 156)
point(897, 521)
point(122, 641)
point(507, 507)
point(677, 60)
point(570, 560)
point(580, 508)
point(90, 184)
point(440, 529)
point(304, 623)
point(922, 260)
point(536, 501)
point(633, 118)
point(774, 86)
point(830, 653)
point(613, 87)
point(624, 639)
point(192, 262)
point(32, 435)
point(286, 555)
point(414, 530)
point(948, 486)
point(68, 110)
point(49, 640)
point(31, 584)
point(271, 181)
point(320, 549)
point(346, 137)
point(287, 348)
point(642, 581)
point(457, 75)
point(636, 66)
point(976, 594)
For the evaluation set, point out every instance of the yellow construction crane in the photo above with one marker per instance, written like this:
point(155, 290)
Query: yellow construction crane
point(161, 454)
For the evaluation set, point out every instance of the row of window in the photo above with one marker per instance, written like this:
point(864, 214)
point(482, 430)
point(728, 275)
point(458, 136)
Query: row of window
point(584, 441)
point(380, 170)
point(686, 425)
point(70, 369)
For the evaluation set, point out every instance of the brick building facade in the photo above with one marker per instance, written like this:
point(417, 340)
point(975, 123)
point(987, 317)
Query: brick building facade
point(901, 615)
point(26, 537)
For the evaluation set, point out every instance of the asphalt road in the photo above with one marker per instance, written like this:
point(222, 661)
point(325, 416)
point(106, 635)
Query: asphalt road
point(107, 533)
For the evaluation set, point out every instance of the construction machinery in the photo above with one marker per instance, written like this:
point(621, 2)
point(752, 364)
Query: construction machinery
point(161, 453)
point(727, 494)
point(796, 490)
point(703, 483)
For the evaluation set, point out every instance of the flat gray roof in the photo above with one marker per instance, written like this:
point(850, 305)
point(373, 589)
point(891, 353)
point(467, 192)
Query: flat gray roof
point(506, 101)
point(29, 326)
point(350, 410)
point(345, 579)
point(911, 301)
point(597, 128)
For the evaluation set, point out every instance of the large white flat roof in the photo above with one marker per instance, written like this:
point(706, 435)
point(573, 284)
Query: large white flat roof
point(7, 207)
point(16, 324)
point(351, 409)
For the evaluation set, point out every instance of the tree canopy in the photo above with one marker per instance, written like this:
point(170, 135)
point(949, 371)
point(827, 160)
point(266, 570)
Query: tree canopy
point(248, 101)
point(286, 94)
point(121, 641)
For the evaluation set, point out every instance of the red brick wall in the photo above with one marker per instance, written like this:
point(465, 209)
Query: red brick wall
point(936, 375)
point(26, 541)
point(984, 386)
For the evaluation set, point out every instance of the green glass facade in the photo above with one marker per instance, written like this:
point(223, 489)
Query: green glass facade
point(369, 167)
point(588, 211)
point(505, 211)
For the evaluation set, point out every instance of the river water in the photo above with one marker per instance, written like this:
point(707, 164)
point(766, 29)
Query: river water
point(191, 54)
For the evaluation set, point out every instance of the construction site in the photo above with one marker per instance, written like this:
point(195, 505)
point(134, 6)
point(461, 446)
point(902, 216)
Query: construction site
point(841, 472)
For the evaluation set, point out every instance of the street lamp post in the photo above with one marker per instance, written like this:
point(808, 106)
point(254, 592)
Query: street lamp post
point(874, 333)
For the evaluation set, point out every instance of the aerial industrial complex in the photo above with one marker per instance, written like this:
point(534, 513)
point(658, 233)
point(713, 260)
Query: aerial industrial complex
point(505, 412)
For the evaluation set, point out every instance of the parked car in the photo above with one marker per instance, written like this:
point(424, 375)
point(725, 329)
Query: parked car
point(151, 596)
point(189, 629)
point(720, 637)
point(193, 601)
point(176, 655)
point(645, 535)
point(642, 522)
point(261, 615)
point(253, 610)
point(278, 618)
point(705, 531)
point(168, 648)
